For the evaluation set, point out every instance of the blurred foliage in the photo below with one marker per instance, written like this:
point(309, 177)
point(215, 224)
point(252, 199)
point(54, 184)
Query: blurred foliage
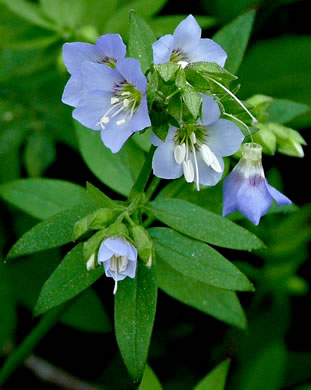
point(37, 138)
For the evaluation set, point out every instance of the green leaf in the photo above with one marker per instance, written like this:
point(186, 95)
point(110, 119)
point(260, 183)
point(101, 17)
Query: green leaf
point(135, 306)
point(192, 100)
point(118, 171)
point(98, 196)
point(210, 69)
point(150, 381)
point(167, 70)
point(267, 65)
point(30, 12)
point(39, 153)
point(283, 111)
point(221, 304)
point(50, 233)
point(64, 13)
point(88, 314)
point(203, 225)
point(68, 280)
point(197, 260)
point(234, 37)
point(216, 379)
point(42, 198)
point(140, 41)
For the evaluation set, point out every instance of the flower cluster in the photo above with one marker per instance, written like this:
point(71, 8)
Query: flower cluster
point(195, 123)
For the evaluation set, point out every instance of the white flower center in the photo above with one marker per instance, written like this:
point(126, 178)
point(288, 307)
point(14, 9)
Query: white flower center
point(118, 264)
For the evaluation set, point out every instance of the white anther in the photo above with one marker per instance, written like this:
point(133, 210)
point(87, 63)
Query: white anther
point(183, 64)
point(180, 153)
point(120, 122)
point(188, 171)
point(125, 93)
point(126, 102)
point(105, 119)
point(114, 100)
point(215, 164)
point(193, 138)
point(207, 154)
point(123, 262)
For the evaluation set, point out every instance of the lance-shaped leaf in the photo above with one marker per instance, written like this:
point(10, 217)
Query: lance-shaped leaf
point(197, 260)
point(203, 225)
point(50, 233)
point(141, 39)
point(216, 379)
point(68, 280)
point(42, 198)
point(150, 381)
point(118, 171)
point(221, 304)
point(234, 37)
point(135, 305)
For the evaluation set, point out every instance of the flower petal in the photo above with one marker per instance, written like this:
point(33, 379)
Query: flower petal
point(130, 69)
point(231, 186)
point(114, 136)
point(91, 108)
point(187, 35)
point(224, 137)
point(141, 117)
point(254, 199)
point(210, 110)
point(76, 53)
point(99, 77)
point(74, 91)
point(155, 140)
point(118, 245)
point(207, 175)
point(163, 163)
point(131, 269)
point(104, 253)
point(209, 51)
point(277, 196)
point(162, 49)
point(111, 46)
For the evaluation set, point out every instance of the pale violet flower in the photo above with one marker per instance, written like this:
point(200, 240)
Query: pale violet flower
point(246, 188)
point(107, 50)
point(197, 150)
point(116, 103)
point(186, 45)
point(119, 259)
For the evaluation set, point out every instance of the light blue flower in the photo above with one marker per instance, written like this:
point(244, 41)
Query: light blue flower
point(119, 259)
point(186, 45)
point(116, 102)
point(246, 188)
point(197, 150)
point(107, 50)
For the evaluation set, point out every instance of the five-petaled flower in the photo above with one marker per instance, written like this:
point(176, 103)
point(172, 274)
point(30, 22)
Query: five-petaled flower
point(107, 50)
point(246, 188)
point(116, 102)
point(186, 45)
point(196, 150)
point(119, 259)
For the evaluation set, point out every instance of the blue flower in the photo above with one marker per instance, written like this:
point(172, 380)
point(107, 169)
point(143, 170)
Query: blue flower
point(246, 189)
point(196, 150)
point(107, 50)
point(116, 102)
point(186, 45)
point(119, 259)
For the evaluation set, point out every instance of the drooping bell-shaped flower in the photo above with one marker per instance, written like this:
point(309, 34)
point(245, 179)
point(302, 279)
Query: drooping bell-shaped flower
point(246, 188)
point(197, 150)
point(119, 259)
point(108, 49)
point(186, 45)
point(116, 102)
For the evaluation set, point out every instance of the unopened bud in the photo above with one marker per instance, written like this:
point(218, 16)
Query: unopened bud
point(143, 243)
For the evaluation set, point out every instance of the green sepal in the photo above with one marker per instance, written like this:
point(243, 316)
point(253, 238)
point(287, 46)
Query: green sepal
point(167, 70)
point(95, 221)
point(143, 243)
point(261, 104)
point(180, 80)
point(266, 138)
point(289, 141)
point(211, 69)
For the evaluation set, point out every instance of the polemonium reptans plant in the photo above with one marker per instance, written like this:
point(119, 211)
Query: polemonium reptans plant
point(157, 108)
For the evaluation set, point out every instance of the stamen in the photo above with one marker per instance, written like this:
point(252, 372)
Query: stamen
point(188, 171)
point(193, 138)
point(125, 93)
point(180, 153)
point(126, 102)
point(207, 154)
point(120, 122)
point(114, 100)
point(215, 164)
point(193, 141)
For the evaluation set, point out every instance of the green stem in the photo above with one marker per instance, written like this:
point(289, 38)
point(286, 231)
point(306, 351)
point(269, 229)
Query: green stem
point(144, 175)
point(20, 354)
point(152, 187)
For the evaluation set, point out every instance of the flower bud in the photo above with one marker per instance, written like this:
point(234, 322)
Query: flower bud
point(143, 244)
